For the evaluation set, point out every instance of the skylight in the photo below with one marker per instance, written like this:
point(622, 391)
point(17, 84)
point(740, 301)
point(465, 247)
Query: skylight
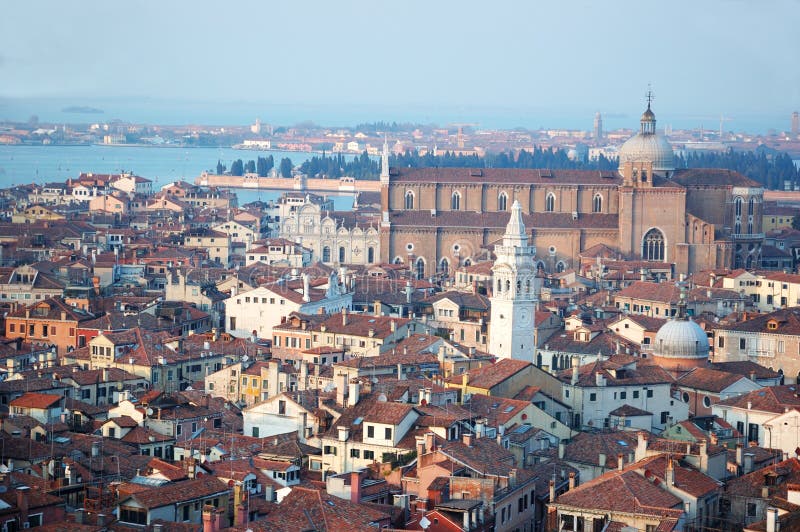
point(358, 420)
point(623, 443)
point(508, 409)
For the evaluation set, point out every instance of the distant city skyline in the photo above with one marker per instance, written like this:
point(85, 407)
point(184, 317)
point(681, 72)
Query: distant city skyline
point(441, 61)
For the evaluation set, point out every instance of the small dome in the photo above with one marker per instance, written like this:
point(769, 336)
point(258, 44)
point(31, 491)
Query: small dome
point(648, 115)
point(681, 338)
point(653, 148)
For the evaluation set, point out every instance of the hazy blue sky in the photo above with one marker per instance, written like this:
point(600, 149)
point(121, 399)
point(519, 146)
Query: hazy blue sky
point(702, 57)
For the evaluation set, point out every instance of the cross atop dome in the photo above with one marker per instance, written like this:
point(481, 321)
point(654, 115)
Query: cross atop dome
point(648, 120)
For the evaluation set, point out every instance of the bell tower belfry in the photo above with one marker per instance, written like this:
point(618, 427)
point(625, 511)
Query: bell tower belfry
point(513, 298)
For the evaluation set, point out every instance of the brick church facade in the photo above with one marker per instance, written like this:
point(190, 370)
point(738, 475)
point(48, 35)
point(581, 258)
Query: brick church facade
point(437, 219)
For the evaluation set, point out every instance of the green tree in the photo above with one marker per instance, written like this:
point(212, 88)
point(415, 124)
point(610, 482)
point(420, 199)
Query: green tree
point(237, 167)
point(264, 165)
point(250, 167)
point(796, 222)
point(286, 167)
point(220, 167)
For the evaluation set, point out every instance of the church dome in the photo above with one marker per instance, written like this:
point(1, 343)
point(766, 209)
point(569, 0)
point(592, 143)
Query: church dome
point(681, 339)
point(653, 148)
point(648, 146)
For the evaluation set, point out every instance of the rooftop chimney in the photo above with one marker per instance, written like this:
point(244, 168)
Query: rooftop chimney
point(572, 480)
point(772, 520)
point(669, 476)
point(552, 490)
point(620, 461)
point(576, 362)
point(355, 486)
point(468, 440)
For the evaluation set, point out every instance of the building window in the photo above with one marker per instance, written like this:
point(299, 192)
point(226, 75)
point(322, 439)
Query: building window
point(341, 254)
point(649, 393)
point(444, 266)
point(387, 433)
point(721, 341)
point(420, 267)
point(369, 455)
point(597, 203)
point(370, 255)
point(502, 201)
point(326, 254)
point(742, 344)
point(593, 396)
point(653, 246)
point(455, 201)
point(355, 453)
point(550, 202)
point(370, 431)
point(409, 200)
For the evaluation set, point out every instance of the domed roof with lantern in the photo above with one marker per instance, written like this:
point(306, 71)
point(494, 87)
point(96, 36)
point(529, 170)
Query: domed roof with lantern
point(648, 145)
point(681, 343)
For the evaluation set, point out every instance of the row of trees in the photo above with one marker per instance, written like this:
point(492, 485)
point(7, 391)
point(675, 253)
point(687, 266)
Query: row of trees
point(261, 166)
point(335, 166)
point(771, 170)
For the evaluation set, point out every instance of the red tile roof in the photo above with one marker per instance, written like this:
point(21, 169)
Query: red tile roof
point(490, 375)
point(623, 491)
point(176, 492)
point(36, 400)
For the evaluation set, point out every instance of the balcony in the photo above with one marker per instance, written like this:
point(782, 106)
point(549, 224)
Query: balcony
point(745, 236)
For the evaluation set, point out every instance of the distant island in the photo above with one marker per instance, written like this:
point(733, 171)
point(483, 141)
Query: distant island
point(83, 109)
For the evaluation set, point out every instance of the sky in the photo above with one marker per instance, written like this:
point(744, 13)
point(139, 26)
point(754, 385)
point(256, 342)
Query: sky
point(405, 60)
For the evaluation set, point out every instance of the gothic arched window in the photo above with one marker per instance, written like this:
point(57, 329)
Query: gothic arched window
point(750, 206)
point(550, 202)
point(455, 201)
point(409, 200)
point(502, 201)
point(341, 254)
point(371, 255)
point(326, 254)
point(653, 246)
point(738, 204)
point(597, 203)
point(420, 268)
point(444, 266)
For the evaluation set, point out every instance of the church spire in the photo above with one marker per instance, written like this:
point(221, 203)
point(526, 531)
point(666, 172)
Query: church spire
point(515, 230)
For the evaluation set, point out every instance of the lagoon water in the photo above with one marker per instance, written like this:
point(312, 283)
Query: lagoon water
point(41, 164)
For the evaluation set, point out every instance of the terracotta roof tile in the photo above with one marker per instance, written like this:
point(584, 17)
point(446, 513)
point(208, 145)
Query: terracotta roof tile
point(707, 379)
point(36, 400)
point(175, 492)
point(490, 375)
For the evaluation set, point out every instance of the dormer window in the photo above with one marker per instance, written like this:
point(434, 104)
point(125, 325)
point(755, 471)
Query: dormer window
point(772, 325)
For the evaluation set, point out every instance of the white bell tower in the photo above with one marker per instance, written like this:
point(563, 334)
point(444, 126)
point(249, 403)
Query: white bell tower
point(513, 298)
